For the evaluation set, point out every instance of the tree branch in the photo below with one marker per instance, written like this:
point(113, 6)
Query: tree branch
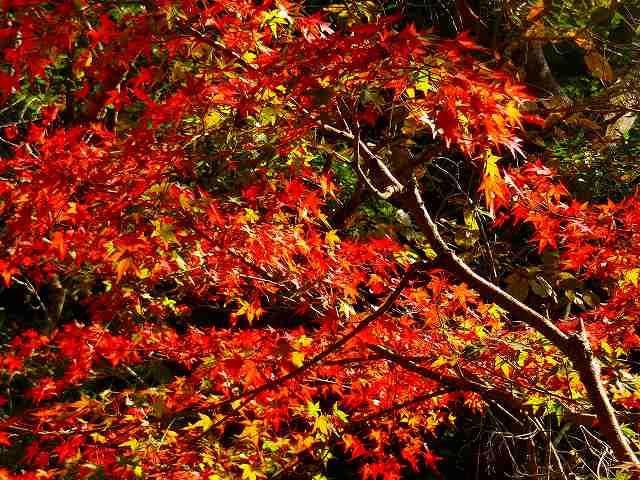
point(246, 397)
point(575, 347)
point(488, 392)
point(455, 265)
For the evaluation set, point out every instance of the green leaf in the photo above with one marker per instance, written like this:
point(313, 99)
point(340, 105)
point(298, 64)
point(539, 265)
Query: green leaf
point(522, 356)
point(164, 231)
point(340, 414)
point(313, 409)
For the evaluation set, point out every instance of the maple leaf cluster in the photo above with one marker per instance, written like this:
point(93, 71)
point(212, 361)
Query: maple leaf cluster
point(222, 325)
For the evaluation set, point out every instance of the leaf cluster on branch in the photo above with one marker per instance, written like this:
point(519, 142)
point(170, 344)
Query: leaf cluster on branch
point(176, 203)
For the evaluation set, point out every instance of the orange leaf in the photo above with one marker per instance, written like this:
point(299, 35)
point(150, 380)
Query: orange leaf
point(123, 266)
point(57, 241)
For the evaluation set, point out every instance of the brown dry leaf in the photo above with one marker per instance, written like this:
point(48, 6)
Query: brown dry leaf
point(580, 121)
point(598, 66)
point(517, 286)
point(552, 120)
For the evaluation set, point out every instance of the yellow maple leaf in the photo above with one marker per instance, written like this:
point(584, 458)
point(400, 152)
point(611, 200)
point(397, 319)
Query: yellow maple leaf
point(323, 425)
point(205, 423)
point(131, 443)
point(632, 276)
point(492, 184)
point(331, 238)
point(297, 358)
point(248, 473)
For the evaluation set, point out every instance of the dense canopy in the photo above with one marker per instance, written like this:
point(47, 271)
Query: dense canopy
point(271, 239)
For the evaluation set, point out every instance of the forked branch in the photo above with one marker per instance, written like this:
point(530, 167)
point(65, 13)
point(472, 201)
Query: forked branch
point(576, 346)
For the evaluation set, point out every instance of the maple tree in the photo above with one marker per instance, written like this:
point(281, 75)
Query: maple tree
point(184, 176)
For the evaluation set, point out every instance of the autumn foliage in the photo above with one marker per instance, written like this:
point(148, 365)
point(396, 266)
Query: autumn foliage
point(180, 181)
